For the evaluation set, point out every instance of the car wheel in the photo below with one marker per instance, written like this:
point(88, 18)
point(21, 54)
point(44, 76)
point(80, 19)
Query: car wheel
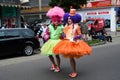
point(28, 50)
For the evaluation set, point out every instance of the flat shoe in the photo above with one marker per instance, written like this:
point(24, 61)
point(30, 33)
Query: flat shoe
point(52, 67)
point(73, 75)
point(57, 69)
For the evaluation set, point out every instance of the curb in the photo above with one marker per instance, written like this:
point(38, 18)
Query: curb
point(115, 38)
point(96, 44)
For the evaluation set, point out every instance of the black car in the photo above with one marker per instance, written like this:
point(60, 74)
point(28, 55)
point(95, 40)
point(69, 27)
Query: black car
point(18, 40)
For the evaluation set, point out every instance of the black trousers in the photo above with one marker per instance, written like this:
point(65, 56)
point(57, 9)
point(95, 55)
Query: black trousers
point(109, 38)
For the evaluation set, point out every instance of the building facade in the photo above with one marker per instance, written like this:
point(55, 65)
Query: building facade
point(37, 11)
point(10, 13)
point(108, 10)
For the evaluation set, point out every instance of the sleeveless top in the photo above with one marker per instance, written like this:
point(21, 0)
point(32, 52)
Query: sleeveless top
point(71, 30)
point(55, 33)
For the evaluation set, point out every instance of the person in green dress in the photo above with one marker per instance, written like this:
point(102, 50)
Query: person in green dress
point(53, 32)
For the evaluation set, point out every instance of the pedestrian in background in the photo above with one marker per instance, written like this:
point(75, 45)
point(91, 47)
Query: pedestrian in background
point(44, 28)
point(84, 30)
point(41, 33)
point(24, 24)
point(3, 26)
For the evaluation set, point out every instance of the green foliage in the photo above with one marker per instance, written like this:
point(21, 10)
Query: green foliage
point(65, 4)
point(93, 41)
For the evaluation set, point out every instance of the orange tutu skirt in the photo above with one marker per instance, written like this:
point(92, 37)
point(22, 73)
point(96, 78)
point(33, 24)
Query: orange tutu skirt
point(72, 49)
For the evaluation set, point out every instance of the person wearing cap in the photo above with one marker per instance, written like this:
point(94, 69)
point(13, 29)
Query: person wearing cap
point(71, 46)
point(52, 36)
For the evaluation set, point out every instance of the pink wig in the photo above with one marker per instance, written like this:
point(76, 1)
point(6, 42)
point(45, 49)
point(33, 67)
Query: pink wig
point(55, 14)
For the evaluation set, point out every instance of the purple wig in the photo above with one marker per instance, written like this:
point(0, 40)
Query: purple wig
point(75, 18)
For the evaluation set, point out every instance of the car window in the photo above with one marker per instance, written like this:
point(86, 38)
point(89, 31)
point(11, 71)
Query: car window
point(2, 34)
point(28, 33)
point(12, 33)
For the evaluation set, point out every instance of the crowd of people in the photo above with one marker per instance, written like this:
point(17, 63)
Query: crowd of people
point(9, 23)
point(91, 32)
point(87, 33)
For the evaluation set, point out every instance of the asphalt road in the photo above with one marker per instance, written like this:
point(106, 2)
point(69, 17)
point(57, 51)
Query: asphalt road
point(102, 64)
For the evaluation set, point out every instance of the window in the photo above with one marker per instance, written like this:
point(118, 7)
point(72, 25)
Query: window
point(28, 33)
point(2, 35)
point(12, 33)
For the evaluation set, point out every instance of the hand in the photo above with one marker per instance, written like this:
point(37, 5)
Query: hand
point(77, 37)
point(46, 37)
point(62, 36)
point(43, 34)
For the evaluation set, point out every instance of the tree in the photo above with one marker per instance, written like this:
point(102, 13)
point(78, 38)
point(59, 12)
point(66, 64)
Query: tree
point(66, 4)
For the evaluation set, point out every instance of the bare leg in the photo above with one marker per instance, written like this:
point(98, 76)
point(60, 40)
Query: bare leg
point(58, 60)
point(73, 64)
point(52, 60)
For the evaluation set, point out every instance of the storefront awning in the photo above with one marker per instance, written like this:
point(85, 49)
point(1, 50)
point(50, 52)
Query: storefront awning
point(14, 5)
point(25, 7)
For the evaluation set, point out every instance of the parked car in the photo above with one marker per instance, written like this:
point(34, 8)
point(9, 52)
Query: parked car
point(18, 40)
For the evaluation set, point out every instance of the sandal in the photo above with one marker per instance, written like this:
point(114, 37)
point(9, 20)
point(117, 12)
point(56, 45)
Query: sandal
point(52, 67)
point(57, 69)
point(73, 75)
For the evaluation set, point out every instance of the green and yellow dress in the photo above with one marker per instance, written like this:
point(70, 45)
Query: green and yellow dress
point(54, 39)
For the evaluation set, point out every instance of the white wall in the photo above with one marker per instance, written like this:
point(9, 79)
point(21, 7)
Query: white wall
point(112, 14)
point(113, 20)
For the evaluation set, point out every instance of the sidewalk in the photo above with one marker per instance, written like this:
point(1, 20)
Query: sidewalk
point(116, 37)
point(114, 34)
point(115, 40)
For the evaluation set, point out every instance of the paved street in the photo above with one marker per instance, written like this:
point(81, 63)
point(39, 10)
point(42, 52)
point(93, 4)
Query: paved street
point(102, 64)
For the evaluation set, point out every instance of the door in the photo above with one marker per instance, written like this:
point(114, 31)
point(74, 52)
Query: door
point(12, 41)
point(2, 41)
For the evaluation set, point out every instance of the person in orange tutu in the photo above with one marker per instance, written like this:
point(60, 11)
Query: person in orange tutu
point(72, 46)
